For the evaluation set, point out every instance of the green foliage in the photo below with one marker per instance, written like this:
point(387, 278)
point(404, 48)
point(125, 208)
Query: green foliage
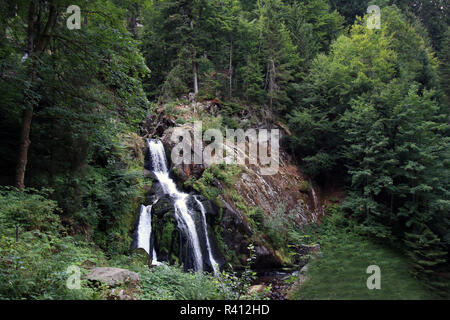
point(236, 285)
point(172, 283)
point(370, 111)
point(28, 209)
point(237, 51)
point(87, 101)
point(35, 250)
point(277, 226)
point(281, 229)
point(34, 266)
point(368, 107)
point(426, 251)
point(226, 174)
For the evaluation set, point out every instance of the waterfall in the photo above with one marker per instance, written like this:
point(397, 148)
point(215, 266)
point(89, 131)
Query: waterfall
point(213, 262)
point(183, 214)
point(144, 228)
point(144, 232)
point(317, 209)
point(316, 202)
point(155, 261)
point(186, 214)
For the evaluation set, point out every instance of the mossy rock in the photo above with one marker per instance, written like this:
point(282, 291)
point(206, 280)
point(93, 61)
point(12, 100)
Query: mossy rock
point(166, 237)
point(163, 206)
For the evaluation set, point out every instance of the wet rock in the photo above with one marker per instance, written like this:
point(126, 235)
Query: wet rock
point(168, 241)
point(211, 210)
point(306, 249)
point(113, 276)
point(148, 173)
point(266, 259)
point(153, 192)
point(237, 236)
point(235, 231)
point(163, 206)
point(279, 288)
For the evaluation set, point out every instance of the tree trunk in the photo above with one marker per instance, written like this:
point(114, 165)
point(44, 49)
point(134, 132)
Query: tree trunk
point(36, 42)
point(194, 64)
point(195, 70)
point(27, 114)
point(230, 70)
point(24, 145)
point(133, 19)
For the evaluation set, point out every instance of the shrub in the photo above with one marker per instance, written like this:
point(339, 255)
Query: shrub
point(35, 266)
point(222, 172)
point(171, 283)
point(28, 209)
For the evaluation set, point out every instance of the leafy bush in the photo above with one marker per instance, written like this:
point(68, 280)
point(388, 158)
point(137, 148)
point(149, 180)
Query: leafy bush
point(28, 210)
point(33, 263)
point(35, 266)
point(171, 283)
point(236, 286)
point(206, 184)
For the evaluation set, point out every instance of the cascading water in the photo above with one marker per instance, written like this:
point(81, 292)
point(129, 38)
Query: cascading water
point(144, 228)
point(213, 262)
point(186, 222)
point(184, 215)
point(144, 232)
point(317, 208)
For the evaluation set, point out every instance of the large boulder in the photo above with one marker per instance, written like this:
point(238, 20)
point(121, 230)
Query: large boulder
point(237, 236)
point(113, 276)
point(163, 206)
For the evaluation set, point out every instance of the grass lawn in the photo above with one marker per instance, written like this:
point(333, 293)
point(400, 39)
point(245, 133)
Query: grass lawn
point(340, 271)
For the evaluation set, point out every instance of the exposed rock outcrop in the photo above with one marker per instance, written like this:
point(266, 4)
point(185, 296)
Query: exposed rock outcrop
point(286, 188)
point(237, 236)
point(113, 276)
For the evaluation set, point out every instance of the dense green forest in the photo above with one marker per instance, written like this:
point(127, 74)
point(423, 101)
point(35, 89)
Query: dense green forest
point(364, 109)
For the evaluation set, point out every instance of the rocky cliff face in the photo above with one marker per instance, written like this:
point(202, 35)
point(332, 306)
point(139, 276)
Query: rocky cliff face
point(288, 190)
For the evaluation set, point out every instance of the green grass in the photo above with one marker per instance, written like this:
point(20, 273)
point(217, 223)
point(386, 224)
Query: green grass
point(340, 271)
